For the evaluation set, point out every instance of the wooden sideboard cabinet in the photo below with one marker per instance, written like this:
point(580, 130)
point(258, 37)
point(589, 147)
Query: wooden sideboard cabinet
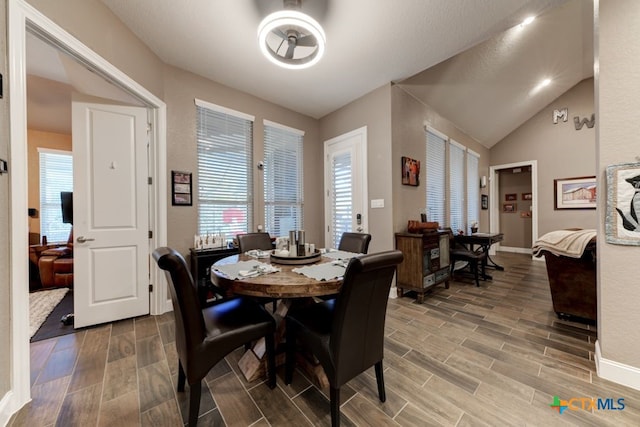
point(426, 262)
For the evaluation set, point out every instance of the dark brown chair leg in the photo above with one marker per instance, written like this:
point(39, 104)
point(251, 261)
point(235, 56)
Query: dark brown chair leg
point(334, 395)
point(195, 390)
point(271, 361)
point(474, 268)
point(181, 377)
point(291, 353)
point(380, 381)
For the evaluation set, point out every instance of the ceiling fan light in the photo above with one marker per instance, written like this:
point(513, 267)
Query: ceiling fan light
point(297, 19)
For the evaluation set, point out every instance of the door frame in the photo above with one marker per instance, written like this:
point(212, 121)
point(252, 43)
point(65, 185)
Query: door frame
point(494, 203)
point(22, 17)
point(361, 133)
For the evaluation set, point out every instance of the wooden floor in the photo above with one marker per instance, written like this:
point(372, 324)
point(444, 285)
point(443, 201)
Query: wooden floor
point(494, 355)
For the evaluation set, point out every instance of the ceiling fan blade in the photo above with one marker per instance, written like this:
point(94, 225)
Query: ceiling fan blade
point(290, 49)
point(278, 32)
point(309, 41)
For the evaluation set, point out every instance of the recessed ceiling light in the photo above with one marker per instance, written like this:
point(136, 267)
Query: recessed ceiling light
point(528, 21)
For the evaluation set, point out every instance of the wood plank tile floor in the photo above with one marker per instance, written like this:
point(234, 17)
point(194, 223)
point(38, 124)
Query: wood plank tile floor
point(494, 355)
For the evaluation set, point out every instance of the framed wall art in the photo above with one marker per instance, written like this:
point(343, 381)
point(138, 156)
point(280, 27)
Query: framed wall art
point(511, 197)
point(622, 225)
point(527, 196)
point(484, 201)
point(509, 207)
point(181, 188)
point(410, 171)
point(574, 193)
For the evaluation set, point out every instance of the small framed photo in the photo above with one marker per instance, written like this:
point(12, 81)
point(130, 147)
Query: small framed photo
point(509, 207)
point(622, 222)
point(181, 186)
point(575, 193)
point(511, 197)
point(527, 196)
point(525, 214)
point(484, 201)
point(410, 171)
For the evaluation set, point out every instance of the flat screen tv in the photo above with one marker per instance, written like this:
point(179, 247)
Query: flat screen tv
point(67, 206)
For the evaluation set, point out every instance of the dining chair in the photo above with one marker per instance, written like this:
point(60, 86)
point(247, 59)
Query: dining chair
point(476, 259)
point(346, 334)
point(355, 242)
point(249, 241)
point(204, 336)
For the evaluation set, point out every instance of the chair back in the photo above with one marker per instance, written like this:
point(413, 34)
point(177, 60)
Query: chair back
point(190, 328)
point(355, 242)
point(249, 241)
point(357, 334)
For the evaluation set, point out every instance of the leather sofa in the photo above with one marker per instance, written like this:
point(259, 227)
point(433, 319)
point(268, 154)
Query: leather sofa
point(56, 265)
point(573, 284)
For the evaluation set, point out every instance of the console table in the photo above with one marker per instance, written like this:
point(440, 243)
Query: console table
point(201, 261)
point(426, 262)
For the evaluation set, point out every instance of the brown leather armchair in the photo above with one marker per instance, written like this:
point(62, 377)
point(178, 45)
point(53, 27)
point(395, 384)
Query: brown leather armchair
point(55, 265)
point(355, 242)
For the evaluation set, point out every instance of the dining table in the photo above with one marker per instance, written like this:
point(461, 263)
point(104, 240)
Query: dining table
point(484, 241)
point(292, 282)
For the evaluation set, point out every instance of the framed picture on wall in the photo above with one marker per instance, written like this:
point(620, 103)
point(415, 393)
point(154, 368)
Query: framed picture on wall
point(527, 196)
point(511, 197)
point(622, 221)
point(181, 188)
point(575, 193)
point(484, 201)
point(509, 207)
point(410, 171)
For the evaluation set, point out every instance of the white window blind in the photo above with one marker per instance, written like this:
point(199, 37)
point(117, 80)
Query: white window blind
point(225, 172)
point(456, 186)
point(342, 183)
point(56, 176)
point(473, 189)
point(435, 177)
point(283, 200)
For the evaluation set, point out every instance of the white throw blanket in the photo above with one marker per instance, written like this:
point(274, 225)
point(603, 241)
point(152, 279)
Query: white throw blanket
point(569, 243)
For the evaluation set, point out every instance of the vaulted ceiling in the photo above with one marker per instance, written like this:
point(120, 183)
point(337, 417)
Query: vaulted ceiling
point(470, 61)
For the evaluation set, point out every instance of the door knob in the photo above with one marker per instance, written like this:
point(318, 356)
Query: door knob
point(83, 239)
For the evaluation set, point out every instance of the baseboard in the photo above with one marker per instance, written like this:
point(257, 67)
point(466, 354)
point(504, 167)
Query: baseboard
point(617, 372)
point(515, 250)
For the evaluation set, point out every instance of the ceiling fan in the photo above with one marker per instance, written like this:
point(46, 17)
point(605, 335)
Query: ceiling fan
point(290, 38)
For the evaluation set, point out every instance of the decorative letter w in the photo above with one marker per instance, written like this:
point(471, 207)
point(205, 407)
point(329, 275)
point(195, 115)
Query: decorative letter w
point(579, 123)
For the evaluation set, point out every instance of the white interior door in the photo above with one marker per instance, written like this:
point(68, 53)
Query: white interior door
point(111, 267)
point(345, 181)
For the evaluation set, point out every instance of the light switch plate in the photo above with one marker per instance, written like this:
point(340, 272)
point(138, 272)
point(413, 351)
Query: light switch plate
point(377, 203)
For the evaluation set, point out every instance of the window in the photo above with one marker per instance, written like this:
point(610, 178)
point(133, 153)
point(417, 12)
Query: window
point(282, 179)
point(446, 157)
point(56, 176)
point(435, 176)
point(225, 172)
point(473, 188)
point(456, 186)
point(342, 200)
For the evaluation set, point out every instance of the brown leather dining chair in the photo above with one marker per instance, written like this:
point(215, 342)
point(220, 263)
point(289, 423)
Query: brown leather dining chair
point(249, 241)
point(355, 242)
point(476, 259)
point(346, 334)
point(204, 336)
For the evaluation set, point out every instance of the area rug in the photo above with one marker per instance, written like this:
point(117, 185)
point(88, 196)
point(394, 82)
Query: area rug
point(41, 304)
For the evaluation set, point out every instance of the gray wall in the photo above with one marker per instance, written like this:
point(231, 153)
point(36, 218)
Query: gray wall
point(617, 106)
point(373, 111)
point(561, 151)
point(516, 229)
point(5, 295)
point(409, 117)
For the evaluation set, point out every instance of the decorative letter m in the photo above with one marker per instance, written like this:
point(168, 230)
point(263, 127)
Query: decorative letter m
point(560, 114)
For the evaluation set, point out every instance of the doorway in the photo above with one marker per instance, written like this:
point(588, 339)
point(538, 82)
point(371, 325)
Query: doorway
point(23, 18)
point(505, 197)
point(345, 181)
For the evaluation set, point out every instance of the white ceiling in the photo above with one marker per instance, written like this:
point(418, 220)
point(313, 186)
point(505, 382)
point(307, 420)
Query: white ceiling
point(485, 90)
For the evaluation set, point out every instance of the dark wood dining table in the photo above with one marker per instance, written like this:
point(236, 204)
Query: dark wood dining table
point(484, 241)
point(287, 286)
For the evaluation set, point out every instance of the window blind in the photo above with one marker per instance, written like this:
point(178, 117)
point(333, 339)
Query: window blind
point(56, 176)
point(283, 191)
point(456, 186)
point(225, 172)
point(342, 183)
point(435, 177)
point(473, 189)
